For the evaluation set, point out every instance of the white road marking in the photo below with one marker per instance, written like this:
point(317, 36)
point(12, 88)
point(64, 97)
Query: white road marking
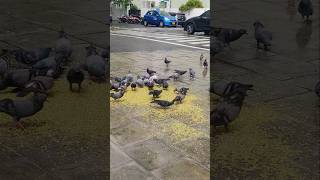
point(203, 42)
point(192, 40)
point(155, 40)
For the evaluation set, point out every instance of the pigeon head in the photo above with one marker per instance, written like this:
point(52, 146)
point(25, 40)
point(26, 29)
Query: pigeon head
point(258, 24)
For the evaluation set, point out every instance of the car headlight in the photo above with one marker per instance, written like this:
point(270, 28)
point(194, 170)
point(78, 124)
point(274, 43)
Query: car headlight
point(166, 19)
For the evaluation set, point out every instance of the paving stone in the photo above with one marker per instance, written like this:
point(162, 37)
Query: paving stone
point(182, 170)
point(153, 154)
point(130, 171)
point(118, 158)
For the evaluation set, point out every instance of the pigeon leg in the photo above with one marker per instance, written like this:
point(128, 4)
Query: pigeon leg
point(18, 123)
point(70, 86)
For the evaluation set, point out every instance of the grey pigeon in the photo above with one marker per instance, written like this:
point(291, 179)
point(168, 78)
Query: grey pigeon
point(155, 93)
point(49, 63)
point(180, 72)
point(151, 72)
point(205, 63)
point(223, 88)
point(145, 76)
point(115, 86)
point(31, 56)
point(95, 65)
point(16, 78)
point(150, 84)
point(179, 98)
point(163, 103)
point(18, 109)
point(117, 95)
point(139, 82)
point(216, 47)
point(38, 83)
point(262, 35)
point(227, 110)
point(75, 76)
point(317, 89)
point(182, 90)
point(192, 73)
point(104, 53)
point(201, 57)
point(229, 35)
point(166, 61)
point(160, 81)
point(165, 85)
point(63, 46)
point(175, 76)
point(305, 8)
point(129, 77)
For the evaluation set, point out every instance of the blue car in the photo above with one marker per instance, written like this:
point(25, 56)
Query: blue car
point(161, 19)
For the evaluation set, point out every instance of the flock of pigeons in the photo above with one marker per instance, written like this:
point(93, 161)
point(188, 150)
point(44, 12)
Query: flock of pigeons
point(42, 66)
point(149, 80)
point(232, 94)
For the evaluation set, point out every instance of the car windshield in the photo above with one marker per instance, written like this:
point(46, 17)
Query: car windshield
point(163, 13)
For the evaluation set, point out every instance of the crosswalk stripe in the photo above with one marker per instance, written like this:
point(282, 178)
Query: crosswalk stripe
point(178, 39)
point(192, 40)
point(206, 45)
point(203, 42)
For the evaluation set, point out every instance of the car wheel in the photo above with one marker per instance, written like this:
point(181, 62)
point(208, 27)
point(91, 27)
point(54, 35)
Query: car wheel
point(145, 23)
point(190, 28)
point(161, 24)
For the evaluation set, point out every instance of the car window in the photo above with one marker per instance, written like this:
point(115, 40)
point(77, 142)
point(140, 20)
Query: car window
point(206, 14)
point(163, 13)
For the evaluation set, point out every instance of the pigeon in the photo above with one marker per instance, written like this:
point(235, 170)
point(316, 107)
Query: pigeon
point(192, 74)
point(305, 8)
point(95, 64)
point(165, 85)
point(229, 35)
point(317, 89)
point(104, 53)
point(117, 95)
point(160, 81)
point(182, 90)
point(115, 86)
point(150, 72)
point(163, 103)
point(216, 47)
point(129, 77)
point(63, 46)
point(4, 66)
point(52, 62)
point(205, 64)
point(223, 88)
point(146, 76)
point(139, 82)
point(150, 84)
point(16, 78)
point(75, 76)
point(262, 36)
point(133, 86)
point(155, 93)
point(31, 56)
point(227, 110)
point(201, 57)
point(166, 61)
point(117, 79)
point(38, 83)
point(18, 109)
point(153, 77)
point(180, 72)
point(180, 97)
point(175, 76)
point(91, 50)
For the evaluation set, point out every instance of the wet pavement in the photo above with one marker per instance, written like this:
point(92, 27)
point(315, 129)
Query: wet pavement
point(68, 139)
point(277, 133)
point(153, 143)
